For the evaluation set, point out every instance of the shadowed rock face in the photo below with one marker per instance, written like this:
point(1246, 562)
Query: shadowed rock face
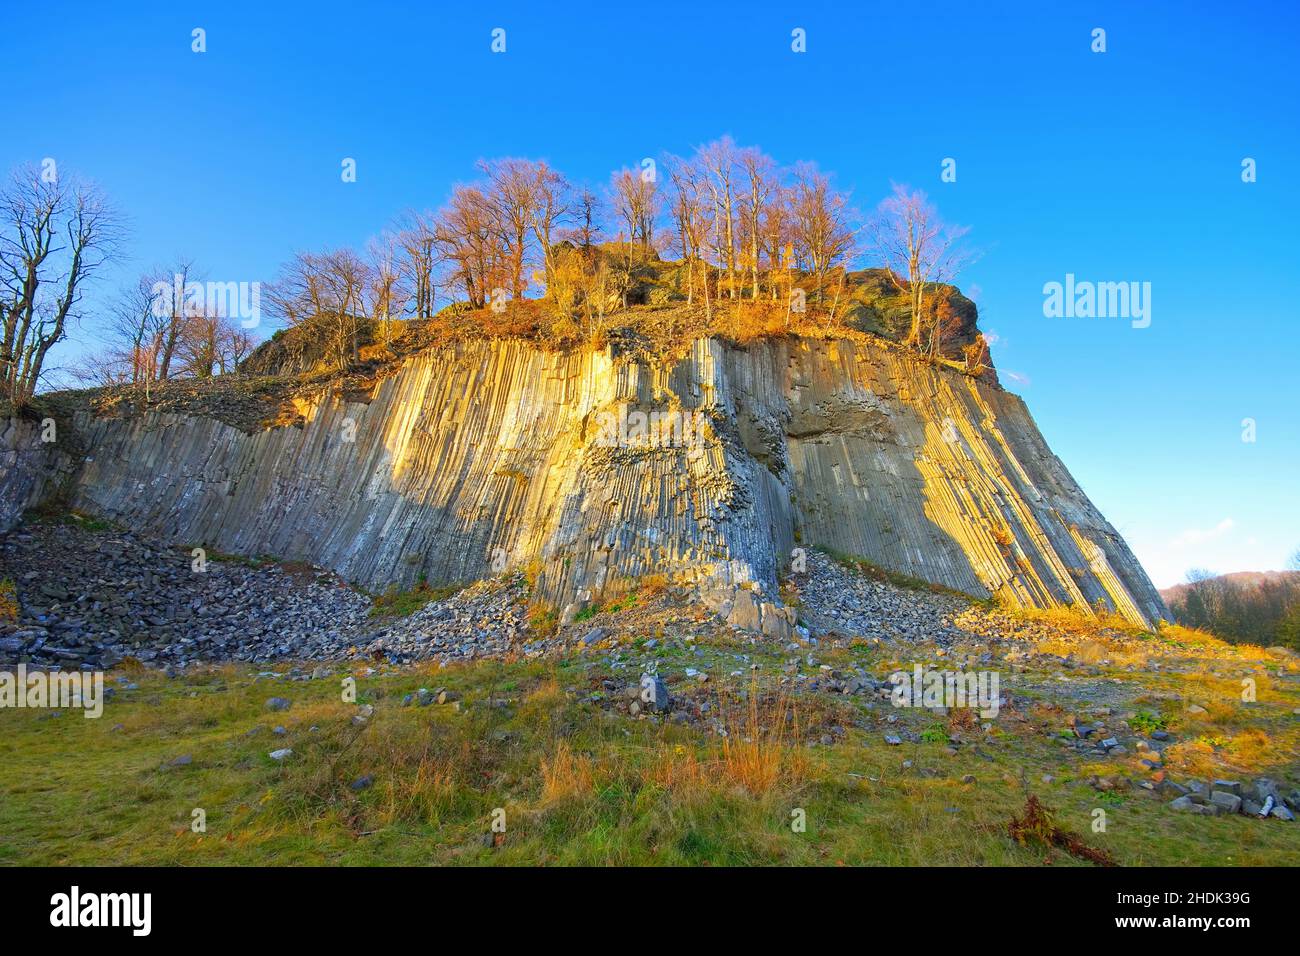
point(30, 468)
point(493, 455)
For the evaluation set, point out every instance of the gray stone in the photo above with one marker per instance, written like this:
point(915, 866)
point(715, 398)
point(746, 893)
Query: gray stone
point(281, 754)
point(1266, 788)
point(1229, 802)
point(1186, 804)
point(278, 703)
point(654, 693)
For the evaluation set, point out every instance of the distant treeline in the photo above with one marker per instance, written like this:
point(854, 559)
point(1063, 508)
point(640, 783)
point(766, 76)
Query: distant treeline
point(1254, 608)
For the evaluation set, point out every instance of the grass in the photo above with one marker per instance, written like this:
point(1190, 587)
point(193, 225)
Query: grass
point(574, 783)
point(8, 600)
point(244, 560)
point(396, 602)
point(1145, 722)
point(587, 613)
point(56, 511)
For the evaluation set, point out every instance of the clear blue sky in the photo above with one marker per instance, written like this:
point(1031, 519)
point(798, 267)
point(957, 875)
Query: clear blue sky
point(1117, 166)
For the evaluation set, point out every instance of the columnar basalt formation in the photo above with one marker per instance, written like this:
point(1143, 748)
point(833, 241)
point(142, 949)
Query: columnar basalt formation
point(33, 465)
point(489, 456)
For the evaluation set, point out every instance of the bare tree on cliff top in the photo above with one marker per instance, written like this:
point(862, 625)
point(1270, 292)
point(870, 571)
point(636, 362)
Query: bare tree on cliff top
point(551, 204)
point(635, 201)
point(916, 247)
point(417, 258)
point(692, 222)
point(510, 197)
point(328, 296)
point(469, 246)
point(821, 224)
point(54, 234)
point(761, 185)
point(718, 158)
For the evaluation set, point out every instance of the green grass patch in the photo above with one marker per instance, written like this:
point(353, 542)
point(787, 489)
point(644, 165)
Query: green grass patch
point(402, 603)
point(574, 784)
point(56, 511)
point(587, 613)
point(1145, 721)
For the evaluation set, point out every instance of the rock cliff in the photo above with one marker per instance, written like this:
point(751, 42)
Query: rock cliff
point(591, 471)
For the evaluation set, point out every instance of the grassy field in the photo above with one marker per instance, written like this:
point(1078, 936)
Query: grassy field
point(573, 782)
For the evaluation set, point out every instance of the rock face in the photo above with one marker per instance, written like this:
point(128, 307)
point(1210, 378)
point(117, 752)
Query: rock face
point(590, 471)
point(30, 468)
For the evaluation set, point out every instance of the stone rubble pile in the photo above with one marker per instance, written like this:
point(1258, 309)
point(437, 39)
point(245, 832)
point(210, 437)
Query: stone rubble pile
point(89, 599)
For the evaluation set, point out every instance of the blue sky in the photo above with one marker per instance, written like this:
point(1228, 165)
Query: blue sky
point(1118, 166)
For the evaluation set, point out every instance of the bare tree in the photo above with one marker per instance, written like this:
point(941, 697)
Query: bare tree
point(587, 212)
point(776, 231)
point(760, 177)
point(326, 294)
point(718, 159)
point(821, 223)
point(549, 204)
point(385, 294)
point(53, 237)
point(917, 248)
point(468, 244)
point(417, 261)
point(134, 332)
point(633, 197)
point(509, 197)
point(692, 216)
point(179, 301)
point(159, 316)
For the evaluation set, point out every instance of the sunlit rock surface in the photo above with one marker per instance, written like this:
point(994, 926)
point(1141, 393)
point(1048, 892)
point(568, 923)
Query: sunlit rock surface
point(494, 455)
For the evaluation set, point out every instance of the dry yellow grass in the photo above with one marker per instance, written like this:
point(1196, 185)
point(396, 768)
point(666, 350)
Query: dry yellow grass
point(566, 774)
point(8, 600)
point(762, 743)
point(1076, 621)
point(677, 769)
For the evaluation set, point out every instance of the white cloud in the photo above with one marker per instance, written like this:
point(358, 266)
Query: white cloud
point(1220, 547)
point(1195, 536)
